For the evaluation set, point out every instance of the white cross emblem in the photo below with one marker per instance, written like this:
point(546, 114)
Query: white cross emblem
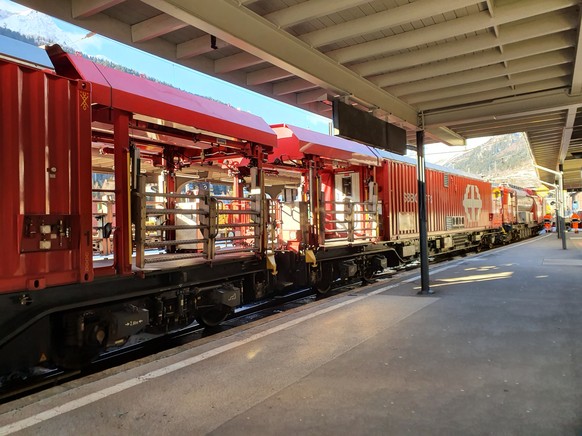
point(472, 202)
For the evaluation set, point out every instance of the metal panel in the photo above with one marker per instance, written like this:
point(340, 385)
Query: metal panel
point(23, 52)
point(45, 177)
point(399, 193)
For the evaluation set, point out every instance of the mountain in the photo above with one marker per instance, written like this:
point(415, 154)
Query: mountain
point(39, 29)
point(505, 158)
point(33, 24)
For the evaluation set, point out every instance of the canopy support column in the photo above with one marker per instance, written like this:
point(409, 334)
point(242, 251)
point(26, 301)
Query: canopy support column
point(424, 275)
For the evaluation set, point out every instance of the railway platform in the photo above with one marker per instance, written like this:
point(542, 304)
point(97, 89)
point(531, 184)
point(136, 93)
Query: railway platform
point(496, 350)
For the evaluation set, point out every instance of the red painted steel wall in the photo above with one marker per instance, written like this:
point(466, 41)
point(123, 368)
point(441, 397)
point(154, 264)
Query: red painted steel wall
point(465, 197)
point(398, 190)
point(45, 174)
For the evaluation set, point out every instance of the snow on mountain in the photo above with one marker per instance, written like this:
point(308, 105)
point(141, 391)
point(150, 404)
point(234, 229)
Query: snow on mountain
point(33, 23)
point(504, 158)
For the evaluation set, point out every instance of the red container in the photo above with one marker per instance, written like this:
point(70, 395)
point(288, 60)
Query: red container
point(457, 202)
point(454, 202)
point(45, 174)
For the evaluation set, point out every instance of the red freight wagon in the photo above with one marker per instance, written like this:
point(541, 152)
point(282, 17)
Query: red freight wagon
point(455, 202)
point(518, 210)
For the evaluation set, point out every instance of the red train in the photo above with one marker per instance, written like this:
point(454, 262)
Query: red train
point(130, 206)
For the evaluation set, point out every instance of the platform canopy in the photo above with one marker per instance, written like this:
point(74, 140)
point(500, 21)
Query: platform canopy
point(458, 69)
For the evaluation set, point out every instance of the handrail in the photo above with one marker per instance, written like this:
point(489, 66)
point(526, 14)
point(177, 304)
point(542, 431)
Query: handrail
point(349, 221)
point(204, 226)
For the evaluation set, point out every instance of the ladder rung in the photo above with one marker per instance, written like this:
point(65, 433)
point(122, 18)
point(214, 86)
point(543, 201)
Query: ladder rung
point(181, 242)
point(238, 212)
point(236, 238)
point(236, 250)
point(176, 211)
point(169, 257)
point(174, 227)
point(227, 226)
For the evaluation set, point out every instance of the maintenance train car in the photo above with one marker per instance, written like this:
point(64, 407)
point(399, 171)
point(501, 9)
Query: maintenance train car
point(358, 208)
point(134, 207)
point(96, 167)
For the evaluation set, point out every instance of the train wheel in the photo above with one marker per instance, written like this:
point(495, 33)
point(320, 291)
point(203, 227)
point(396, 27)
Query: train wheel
point(212, 316)
point(324, 278)
point(68, 353)
point(368, 276)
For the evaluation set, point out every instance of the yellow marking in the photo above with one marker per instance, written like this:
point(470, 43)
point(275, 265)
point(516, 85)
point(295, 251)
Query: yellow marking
point(84, 100)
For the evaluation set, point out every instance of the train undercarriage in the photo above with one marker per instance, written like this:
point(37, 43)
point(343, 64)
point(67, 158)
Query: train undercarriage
point(71, 332)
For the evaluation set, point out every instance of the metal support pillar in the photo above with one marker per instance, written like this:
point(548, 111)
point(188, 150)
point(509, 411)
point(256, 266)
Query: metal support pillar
point(561, 219)
point(122, 236)
point(421, 174)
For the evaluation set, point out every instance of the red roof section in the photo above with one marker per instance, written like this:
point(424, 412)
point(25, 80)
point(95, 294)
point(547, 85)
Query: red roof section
point(295, 142)
point(120, 90)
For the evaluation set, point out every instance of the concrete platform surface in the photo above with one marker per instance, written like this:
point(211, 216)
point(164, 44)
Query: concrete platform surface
point(497, 350)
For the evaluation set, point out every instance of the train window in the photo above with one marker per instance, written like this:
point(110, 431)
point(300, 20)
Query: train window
point(446, 180)
point(347, 186)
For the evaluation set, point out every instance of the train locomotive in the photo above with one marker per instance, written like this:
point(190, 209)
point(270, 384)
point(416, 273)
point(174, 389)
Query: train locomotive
point(131, 207)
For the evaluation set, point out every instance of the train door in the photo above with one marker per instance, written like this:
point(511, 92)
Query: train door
point(496, 217)
point(294, 218)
